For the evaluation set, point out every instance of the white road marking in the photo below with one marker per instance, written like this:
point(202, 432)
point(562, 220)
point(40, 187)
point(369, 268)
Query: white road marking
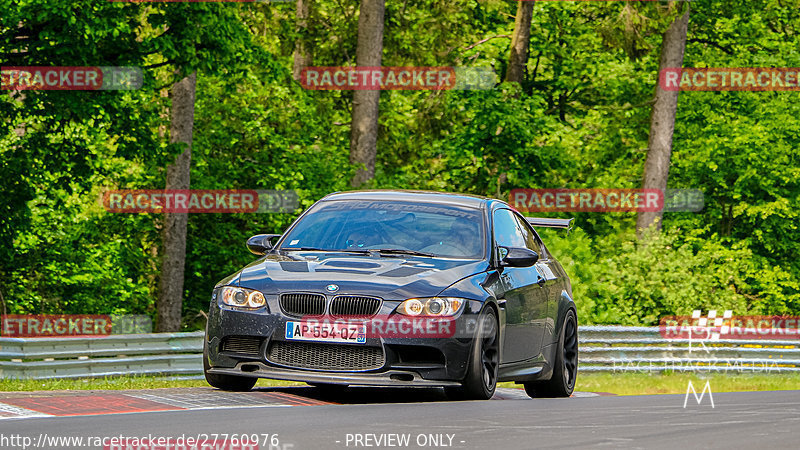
point(19, 412)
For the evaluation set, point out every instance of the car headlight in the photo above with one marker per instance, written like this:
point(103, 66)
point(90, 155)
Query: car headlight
point(437, 306)
point(242, 298)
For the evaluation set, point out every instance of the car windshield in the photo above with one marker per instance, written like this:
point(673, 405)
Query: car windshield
point(399, 227)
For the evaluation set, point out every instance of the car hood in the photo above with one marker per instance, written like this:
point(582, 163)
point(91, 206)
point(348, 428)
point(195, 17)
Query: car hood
point(391, 278)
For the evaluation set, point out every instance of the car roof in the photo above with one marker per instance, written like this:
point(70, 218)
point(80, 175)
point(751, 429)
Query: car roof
point(473, 201)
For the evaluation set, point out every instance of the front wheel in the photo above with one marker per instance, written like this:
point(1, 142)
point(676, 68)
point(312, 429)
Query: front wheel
point(481, 380)
point(565, 369)
point(226, 382)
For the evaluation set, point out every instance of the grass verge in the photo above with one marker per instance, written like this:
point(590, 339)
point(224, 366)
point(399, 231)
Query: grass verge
point(620, 383)
point(117, 383)
point(676, 383)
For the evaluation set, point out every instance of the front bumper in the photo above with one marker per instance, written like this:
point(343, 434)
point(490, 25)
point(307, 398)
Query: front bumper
point(395, 378)
point(407, 361)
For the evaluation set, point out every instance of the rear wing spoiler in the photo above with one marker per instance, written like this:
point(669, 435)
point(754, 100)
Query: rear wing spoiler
point(564, 224)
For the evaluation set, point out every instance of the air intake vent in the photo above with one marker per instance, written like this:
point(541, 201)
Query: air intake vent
point(326, 356)
point(303, 304)
point(349, 306)
point(243, 345)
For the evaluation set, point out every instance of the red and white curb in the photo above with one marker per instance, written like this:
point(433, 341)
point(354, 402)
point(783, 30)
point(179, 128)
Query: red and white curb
point(40, 404)
point(19, 407)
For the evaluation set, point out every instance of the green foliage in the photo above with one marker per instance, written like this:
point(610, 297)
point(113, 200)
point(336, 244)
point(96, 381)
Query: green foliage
point(622, 280)
point(580, 120)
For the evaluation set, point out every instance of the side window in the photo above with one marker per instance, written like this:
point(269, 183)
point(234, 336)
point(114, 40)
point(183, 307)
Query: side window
point(506, 229)
point(545, 254)
point(531, 239)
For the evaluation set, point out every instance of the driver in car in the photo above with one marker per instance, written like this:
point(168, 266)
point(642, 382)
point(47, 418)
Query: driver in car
point(363, 238)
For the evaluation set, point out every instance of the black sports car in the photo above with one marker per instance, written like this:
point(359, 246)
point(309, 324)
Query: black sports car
point(399, 288)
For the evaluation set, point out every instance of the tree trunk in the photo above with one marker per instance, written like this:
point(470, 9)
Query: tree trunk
point(19, 96)
point(662, 122)
point(302, 50)
point(364, 128)
point(170, 289)
point(520, 41)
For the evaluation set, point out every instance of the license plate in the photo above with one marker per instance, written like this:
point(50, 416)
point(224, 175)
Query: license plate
point(327, 332)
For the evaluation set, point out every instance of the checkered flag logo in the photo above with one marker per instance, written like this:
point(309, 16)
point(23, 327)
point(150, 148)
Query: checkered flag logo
point(713, 324)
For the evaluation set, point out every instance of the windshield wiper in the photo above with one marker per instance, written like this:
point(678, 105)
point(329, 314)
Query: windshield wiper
point(388, 251)
point(314, 249)
point(399, 251)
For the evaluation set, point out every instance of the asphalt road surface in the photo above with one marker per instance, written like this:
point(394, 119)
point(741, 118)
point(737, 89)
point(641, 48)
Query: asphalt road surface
point(307, 418)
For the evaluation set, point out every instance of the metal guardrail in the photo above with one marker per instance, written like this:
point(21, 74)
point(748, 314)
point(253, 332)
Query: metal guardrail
point(77, 357)
point(602, 349)
point(643, 349)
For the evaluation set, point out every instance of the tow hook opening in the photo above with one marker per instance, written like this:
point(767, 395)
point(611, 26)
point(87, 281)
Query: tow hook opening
point(401, 377)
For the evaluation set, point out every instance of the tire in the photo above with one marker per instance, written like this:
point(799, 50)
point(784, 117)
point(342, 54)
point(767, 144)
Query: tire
point(226, 382)
point(481, 379)
point(565, 370)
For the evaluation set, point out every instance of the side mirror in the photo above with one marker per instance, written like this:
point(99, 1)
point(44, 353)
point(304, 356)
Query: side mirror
point(518, 257)
point(261, 243)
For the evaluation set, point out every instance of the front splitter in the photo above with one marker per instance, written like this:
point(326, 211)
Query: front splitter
point(391, 378)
